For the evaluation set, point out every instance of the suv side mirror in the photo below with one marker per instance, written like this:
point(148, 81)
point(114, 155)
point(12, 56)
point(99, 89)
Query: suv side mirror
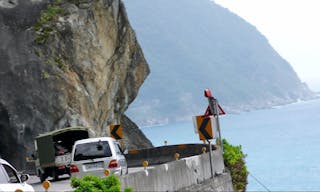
point(125, 151)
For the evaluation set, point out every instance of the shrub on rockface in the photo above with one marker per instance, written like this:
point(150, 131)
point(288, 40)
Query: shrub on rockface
point(46, 24)
point(234, 160)
point(92, 183)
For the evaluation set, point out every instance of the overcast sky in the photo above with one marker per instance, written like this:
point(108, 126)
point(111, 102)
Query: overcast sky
point(292, 28)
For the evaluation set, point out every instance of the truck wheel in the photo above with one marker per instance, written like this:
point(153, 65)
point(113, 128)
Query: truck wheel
point(42, 176)
point(55, 175)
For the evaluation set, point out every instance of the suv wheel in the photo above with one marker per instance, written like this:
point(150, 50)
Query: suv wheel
point(55, 175)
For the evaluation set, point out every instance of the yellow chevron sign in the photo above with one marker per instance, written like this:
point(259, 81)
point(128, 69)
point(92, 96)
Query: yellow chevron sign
point(204, 127)
point(116, 132)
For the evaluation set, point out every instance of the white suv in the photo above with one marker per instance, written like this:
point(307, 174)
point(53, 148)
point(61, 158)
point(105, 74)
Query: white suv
point(10, 181)
point(96, 156)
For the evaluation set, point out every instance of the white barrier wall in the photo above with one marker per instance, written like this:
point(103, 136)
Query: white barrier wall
point(177, 175)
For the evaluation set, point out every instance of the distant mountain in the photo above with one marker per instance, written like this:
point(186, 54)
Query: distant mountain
point(191, 45)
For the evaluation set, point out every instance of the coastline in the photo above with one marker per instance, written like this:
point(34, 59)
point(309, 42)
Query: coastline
point(234, 109)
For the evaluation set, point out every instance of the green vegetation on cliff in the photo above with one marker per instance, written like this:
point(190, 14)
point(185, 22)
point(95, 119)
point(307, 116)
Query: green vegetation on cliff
point(234, 161)
point(46, 23)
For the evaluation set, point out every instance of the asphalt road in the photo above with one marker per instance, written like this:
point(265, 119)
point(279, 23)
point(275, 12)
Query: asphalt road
point(63, 184)
point(56, 186)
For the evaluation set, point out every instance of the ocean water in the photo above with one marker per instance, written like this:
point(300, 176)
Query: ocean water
point(282, 144)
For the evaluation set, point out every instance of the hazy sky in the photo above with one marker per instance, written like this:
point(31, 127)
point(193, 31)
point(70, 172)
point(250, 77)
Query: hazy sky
point(292, 28)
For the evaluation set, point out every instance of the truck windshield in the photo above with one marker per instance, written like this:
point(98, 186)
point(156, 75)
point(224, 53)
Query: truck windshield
point(92, 150)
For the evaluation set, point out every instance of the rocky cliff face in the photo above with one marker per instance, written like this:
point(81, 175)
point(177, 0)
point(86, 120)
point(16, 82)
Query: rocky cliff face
point(65, 64)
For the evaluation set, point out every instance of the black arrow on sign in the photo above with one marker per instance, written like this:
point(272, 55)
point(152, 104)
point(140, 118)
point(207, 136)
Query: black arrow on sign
point(114, 132)
point(203, 128)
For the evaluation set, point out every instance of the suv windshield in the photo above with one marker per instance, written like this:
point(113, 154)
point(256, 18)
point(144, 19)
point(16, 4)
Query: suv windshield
point(92, 150)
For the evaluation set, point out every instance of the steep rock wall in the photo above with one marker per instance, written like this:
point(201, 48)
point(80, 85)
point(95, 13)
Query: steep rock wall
point(82, 66)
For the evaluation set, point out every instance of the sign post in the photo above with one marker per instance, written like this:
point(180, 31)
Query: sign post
point(214, 109)
point(203, 124)
point(210, 158)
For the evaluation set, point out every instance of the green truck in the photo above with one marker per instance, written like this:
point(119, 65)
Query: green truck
point(53, 151)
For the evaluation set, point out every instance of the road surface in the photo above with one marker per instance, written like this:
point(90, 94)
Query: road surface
point(63, 184)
